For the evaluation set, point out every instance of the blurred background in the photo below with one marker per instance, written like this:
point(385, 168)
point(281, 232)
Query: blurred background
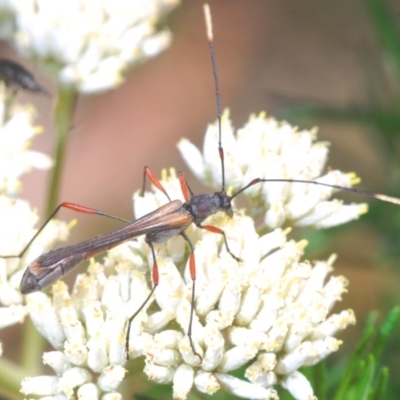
point(333, 64)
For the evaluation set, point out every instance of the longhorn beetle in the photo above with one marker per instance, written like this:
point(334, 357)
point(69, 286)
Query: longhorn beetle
point(158, 226)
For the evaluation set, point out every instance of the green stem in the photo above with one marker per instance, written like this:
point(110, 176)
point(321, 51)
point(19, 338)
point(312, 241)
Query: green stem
point(63, 121)
point(33, 343)
point(11, 376)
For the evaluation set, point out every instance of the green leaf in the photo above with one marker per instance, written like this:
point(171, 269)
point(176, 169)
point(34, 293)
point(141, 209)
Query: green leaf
point(385, 331)
point(381, 385)
point(386, 26)
point(364, 387)
point(357, 358)
point(320, 381)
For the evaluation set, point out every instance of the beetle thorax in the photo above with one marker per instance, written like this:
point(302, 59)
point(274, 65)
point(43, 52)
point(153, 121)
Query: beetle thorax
point(203, 205)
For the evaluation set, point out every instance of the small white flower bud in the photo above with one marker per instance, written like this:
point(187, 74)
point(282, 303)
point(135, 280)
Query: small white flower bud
point(275, 216)
point(219, 318)
point(61, 295)
point(97, 358)
point(295, 359)
point(244, 389)
point(45, 319)
point(333, 290)
point(112, 396)
point(214, 342)
point(158, 373)
point(192, 156)
point(250, 304)
point(9, 295)
point(72, 378)
point(183, 318)
point(183, 381)
point(40, 385)
point(342, 215)
point(111, 377)
point(11, 315)
point(230, 299)
point(159, 320)
point(75, 351)
point(297, 332)
point(322, 349)
point(57, 361)
point(94, 318)
point(114, 323)
point(88, 391)
point(264, 379)
point(171, 290)
point(168, 338)
point(162, 356)
point(267, 314)
point(260, 369)
point(208, 297)
point(316, 280)
point(73, 327)
point(111, 297)
point(242, 336)
point(206, 382)
point(187, 352)
point(334, 324)
point(298, 386)
point(138, 344)
point(276, 336)
point(236, 357)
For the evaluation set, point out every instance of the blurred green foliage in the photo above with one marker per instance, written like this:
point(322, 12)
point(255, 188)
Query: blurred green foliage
point(364, 376)
point(380, 115)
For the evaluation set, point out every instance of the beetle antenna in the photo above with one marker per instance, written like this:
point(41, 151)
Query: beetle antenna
point(210, 38)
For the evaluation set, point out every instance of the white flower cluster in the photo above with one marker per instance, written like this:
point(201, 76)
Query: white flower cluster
point(16, 132)
point(269, 149)
point(270, 309)
point(268, 314)
point(262, 318)
point(86, 44)
point(16, 216)
point(88, 335)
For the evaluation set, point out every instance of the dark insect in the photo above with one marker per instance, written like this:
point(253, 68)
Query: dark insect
point(158, 226)
point(15, 76)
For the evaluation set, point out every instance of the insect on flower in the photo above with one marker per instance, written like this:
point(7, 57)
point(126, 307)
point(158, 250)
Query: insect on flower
point(158, 226)
point(15, 76)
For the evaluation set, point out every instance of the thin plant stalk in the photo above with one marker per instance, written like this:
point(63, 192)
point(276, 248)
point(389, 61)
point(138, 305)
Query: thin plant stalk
point(63, 119)
point(33, 343)
point(11, 376)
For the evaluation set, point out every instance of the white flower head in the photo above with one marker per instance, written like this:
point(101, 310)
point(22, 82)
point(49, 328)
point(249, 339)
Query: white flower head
point(17, 217)
point(16, 132)
point(269, 149)
point(87, 44)
point(264, 315)
point(270, 313)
